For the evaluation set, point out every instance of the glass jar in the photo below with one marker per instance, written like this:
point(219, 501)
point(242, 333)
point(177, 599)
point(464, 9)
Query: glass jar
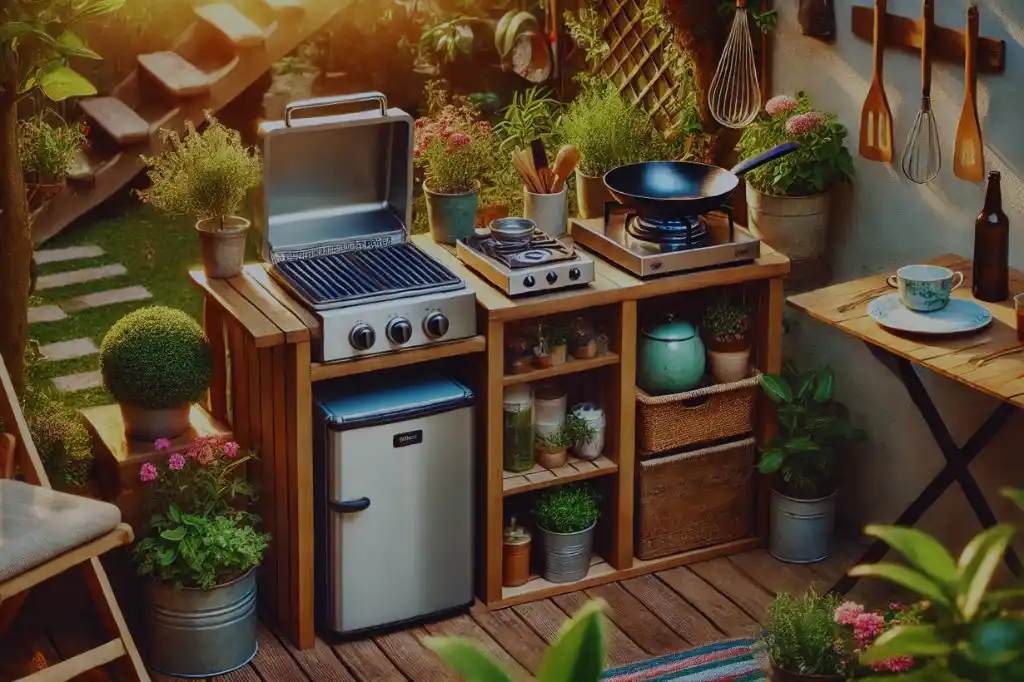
point(517, 450)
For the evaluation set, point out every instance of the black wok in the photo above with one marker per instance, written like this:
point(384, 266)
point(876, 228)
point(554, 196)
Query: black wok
point(673, 188)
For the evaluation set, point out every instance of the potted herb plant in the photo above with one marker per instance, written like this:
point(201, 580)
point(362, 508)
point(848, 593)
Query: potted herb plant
point(566, 517)
point(582, 339)
point(455, 149)
point(585, 425)
point(552, 446)
point(802, 459)
point(789, 200)
point(552, 346)
point(207, 175)
point(156, 362)
point(726, 330)
point(47, 154)
point(800, 636)
point(199, 556)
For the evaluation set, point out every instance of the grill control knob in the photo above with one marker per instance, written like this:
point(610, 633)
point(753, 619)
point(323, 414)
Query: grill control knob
point(552, 277)
point(362, 336)
point(399, 330)
point(435, 325)
point(574, 274)
point(529, 281)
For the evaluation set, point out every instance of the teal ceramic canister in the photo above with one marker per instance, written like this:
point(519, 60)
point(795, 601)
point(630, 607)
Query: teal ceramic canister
point(672, 358)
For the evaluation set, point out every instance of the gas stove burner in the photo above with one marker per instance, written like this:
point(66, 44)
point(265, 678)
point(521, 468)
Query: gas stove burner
point(539, 249)
point(533, 257)
point(683, 232)
point(539, 263)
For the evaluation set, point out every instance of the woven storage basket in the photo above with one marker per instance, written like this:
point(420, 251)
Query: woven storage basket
point(695, 499)
point(666, 422)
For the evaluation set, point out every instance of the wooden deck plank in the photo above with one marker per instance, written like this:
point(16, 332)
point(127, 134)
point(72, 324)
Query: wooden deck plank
point(649, 631)
point(367, 662)
point(175, 73)
point(319, 664)
point(676, 611)
point(622, 650)
point(509, 630)
point(732, 582)
point(726, 616)
point(246, 674)
point(272, 660)
point(774, 575)
point(466, 627)
point(406, 650)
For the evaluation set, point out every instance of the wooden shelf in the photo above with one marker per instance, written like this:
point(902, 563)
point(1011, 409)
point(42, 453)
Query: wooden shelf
point(539, 477)
point(571, 366)
point(321, 371)
point(538, 588)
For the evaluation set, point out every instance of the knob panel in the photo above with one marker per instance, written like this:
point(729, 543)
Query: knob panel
point(552, 277)
point(529, 281)
point(574, 274)
point(362, 336)
point(399, 331)
point(435, 325)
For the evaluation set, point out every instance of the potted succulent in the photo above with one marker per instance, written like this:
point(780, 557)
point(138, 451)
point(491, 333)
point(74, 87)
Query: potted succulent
point(156, 362)
point(788, 201)
point(207, 175)
point(582, 339)
point(800, 636)
point(455, 149)
point(199, 556)
point(726, 331)
point(552, 446)
point(47, 154)
point(802, 459)
point(552, 346)
point(566, 517)
point(585, 425)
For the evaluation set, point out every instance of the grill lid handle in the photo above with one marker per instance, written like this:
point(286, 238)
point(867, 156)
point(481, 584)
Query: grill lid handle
point(324, 102)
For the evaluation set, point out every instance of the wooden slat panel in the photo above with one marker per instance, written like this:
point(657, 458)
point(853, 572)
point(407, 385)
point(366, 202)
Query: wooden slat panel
point(300, 486)
point(366, 660)
point(679, 613)
point(255, 322)
point(733, 583)
point(622, 650)
point(726, 616)
point(213, 324)
point(515, 636)
point(294, 329)
point(283, 540)
point(269, 456)
point(467, 628)
point(407, 652)
point(240, 413)
point(642, 626)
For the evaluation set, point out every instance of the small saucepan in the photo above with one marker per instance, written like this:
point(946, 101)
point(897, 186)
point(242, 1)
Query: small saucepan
point(512, 230)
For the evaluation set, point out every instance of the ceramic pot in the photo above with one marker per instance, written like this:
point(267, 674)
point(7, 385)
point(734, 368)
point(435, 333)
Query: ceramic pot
point(795, 226)
point(594, 418)
point(780, 675)
point(672, 358)
point(567, 555)
point(551, 457)
point(451, 216)
point(591, 195)
point(729, 362)
point(144, 424)
point(801, 530)
point(550, 212)
point(223, 248)
point(555, 359)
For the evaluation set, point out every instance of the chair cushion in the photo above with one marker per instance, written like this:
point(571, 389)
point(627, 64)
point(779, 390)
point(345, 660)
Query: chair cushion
point(39, 524)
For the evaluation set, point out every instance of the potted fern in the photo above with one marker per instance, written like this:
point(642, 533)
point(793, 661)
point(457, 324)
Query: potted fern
point(207, 175)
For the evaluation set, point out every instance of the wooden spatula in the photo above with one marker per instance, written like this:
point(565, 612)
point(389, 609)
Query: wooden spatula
point(968, 152)
point(876, 116)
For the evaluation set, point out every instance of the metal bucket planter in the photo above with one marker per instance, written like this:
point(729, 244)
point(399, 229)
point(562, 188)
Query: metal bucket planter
point(801, 530)
point(794, 226)
point(201, 633)
point(567, 555)
point(223, 249)
point(451, 216)
point(141, 423)
point(780, 675)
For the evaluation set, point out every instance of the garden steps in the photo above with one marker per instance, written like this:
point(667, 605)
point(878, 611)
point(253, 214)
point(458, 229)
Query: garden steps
point(286, 6)
point(229, 21)
point(174, 73)
point(117, 119)
point(46, 313)
point(45, 256)
point(69, 277)
point(68, 350)
point(79, 381)
point(81, 169)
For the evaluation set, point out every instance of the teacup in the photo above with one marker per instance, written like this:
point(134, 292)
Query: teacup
point(925, 288)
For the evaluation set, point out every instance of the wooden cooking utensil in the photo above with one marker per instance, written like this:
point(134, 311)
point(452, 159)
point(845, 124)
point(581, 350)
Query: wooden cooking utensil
point(524, 164)
point(876, 116)
point(540, 164)
point(565, 164)
point(968, 152)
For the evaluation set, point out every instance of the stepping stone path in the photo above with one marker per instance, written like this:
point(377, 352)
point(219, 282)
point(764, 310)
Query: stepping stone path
point(63, 279)
point(78, 382)
point(102, 298)
point(67, 350)
point(45, 313)
point(70, 253)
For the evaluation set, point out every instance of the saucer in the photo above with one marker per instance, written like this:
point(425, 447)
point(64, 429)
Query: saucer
point(959, 317)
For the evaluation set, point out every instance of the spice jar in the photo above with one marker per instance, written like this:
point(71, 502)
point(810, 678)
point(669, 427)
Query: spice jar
point(517, 409)
point(515, 555)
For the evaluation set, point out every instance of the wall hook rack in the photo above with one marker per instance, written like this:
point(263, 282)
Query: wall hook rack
point(947, 44)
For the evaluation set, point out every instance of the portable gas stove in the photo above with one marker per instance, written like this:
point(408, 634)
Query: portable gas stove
point(334, 232)
point(651, 246)
point(538, 264)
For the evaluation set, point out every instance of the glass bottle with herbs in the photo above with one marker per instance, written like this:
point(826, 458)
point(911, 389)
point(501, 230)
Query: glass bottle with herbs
point(517, 450)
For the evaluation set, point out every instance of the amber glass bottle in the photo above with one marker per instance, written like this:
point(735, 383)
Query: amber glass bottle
point(992, 246)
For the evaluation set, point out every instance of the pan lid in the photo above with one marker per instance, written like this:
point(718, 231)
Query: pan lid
point(335, 182)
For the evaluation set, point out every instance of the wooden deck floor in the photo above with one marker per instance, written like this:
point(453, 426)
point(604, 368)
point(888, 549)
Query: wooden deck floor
point(648, 616)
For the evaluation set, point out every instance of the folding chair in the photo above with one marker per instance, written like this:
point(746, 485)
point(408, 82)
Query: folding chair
point(43, 533)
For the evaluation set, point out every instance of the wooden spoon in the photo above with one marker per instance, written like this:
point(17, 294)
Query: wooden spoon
point(968, 152)
point(565, 163)
point(876, 116)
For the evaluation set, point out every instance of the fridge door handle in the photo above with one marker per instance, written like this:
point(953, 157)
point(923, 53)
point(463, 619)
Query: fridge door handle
point(350, 506)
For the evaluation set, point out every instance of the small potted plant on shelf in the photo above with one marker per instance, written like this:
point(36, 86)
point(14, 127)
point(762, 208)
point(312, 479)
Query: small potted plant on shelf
point(156, 362)
point(802, 459)
point(566, 517)
point(552, 446)
point(582, 339)
point(727, 337)
point(586, 430)
point(47, 154)
point(801, 638)
point(207, 175)
point(552, 346)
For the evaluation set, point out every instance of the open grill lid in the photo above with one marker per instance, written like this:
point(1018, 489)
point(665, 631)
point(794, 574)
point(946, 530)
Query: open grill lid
point(335, 183)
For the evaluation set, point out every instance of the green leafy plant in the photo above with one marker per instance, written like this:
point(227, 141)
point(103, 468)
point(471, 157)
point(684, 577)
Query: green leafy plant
point(454, 148)
point(47, 150)
point(449, 38)
point(727, 321)
point(800, 634)
point(609, 132)
point(554, 441)
point(61, 439)
point(586, 28)
point(577, 655)
point(532, 114)
point(156, 357)
point(549, 337)
point(579, 430)
point(812, 429)
point(821, 161)
point(567, 508)
point(968, 632)
point(205, 175)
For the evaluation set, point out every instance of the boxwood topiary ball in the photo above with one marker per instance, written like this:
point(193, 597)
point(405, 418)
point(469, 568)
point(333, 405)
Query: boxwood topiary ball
point(156, 358)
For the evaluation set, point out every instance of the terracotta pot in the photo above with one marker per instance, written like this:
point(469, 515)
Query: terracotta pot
point(223, 248)
point(591, 195)
point(555, 359)
point(144, 424)
point(780, 675)
point(552, 458)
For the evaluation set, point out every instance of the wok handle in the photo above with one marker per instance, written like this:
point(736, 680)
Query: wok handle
point(741, 169)
point(323, 102)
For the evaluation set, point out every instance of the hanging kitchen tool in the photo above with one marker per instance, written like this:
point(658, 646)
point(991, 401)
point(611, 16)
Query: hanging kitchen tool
point(735, 95)
point(922, 158)
point(968, 151)
point(876, 116)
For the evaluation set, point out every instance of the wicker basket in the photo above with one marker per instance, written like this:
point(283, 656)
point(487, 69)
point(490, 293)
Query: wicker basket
point(668, 422)
point(695, 499)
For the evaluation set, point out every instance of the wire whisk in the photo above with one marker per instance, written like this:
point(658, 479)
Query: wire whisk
point(735, 95)
point(922, 157)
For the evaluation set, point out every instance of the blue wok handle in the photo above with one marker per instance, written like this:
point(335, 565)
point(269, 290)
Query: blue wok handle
point(761, 159)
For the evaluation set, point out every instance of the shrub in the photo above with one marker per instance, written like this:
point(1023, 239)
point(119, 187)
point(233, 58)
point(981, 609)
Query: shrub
point(567, 508)
point(61, 438)
point(800, 634)
point(47, 151)
point(156, 358)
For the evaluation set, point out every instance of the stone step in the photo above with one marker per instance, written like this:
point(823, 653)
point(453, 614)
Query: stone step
point(68, 253)
point(68, 350)
point(63, 279)
point(46, 313)
point(99, 299)
point(81, 170)
point(116, 118)
point(232, 24)
point(175, 73)
point(286, 7)
point(78, 382)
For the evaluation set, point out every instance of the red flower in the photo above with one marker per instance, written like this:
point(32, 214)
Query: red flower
point(84, 127)
point(457, 141)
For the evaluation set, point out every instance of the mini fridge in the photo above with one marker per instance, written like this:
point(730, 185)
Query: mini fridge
point(394, 502)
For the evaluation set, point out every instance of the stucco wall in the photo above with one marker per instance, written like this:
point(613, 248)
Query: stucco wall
point(885, 221)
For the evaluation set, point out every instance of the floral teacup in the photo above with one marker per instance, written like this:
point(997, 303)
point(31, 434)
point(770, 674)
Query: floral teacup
point(925, 288)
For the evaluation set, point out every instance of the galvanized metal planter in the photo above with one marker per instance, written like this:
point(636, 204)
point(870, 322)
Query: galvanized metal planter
point(201, 633)
point(567, 555)
point(801, 530)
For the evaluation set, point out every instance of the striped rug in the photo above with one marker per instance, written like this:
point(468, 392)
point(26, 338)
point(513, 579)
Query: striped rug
point(735, 661)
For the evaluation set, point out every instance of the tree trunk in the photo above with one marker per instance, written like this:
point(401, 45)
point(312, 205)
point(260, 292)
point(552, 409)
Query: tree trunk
point(15, 238)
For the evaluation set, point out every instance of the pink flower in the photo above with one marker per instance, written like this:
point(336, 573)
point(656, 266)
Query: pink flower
point(847, 612)
point(457, 141)
point(894, 665)
point(162, 444)
point(231, 449)
point(780, 104)
point(802, 124)
point(147, 473)
point(896, 606)
point(867, 627)
point(176, 461)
